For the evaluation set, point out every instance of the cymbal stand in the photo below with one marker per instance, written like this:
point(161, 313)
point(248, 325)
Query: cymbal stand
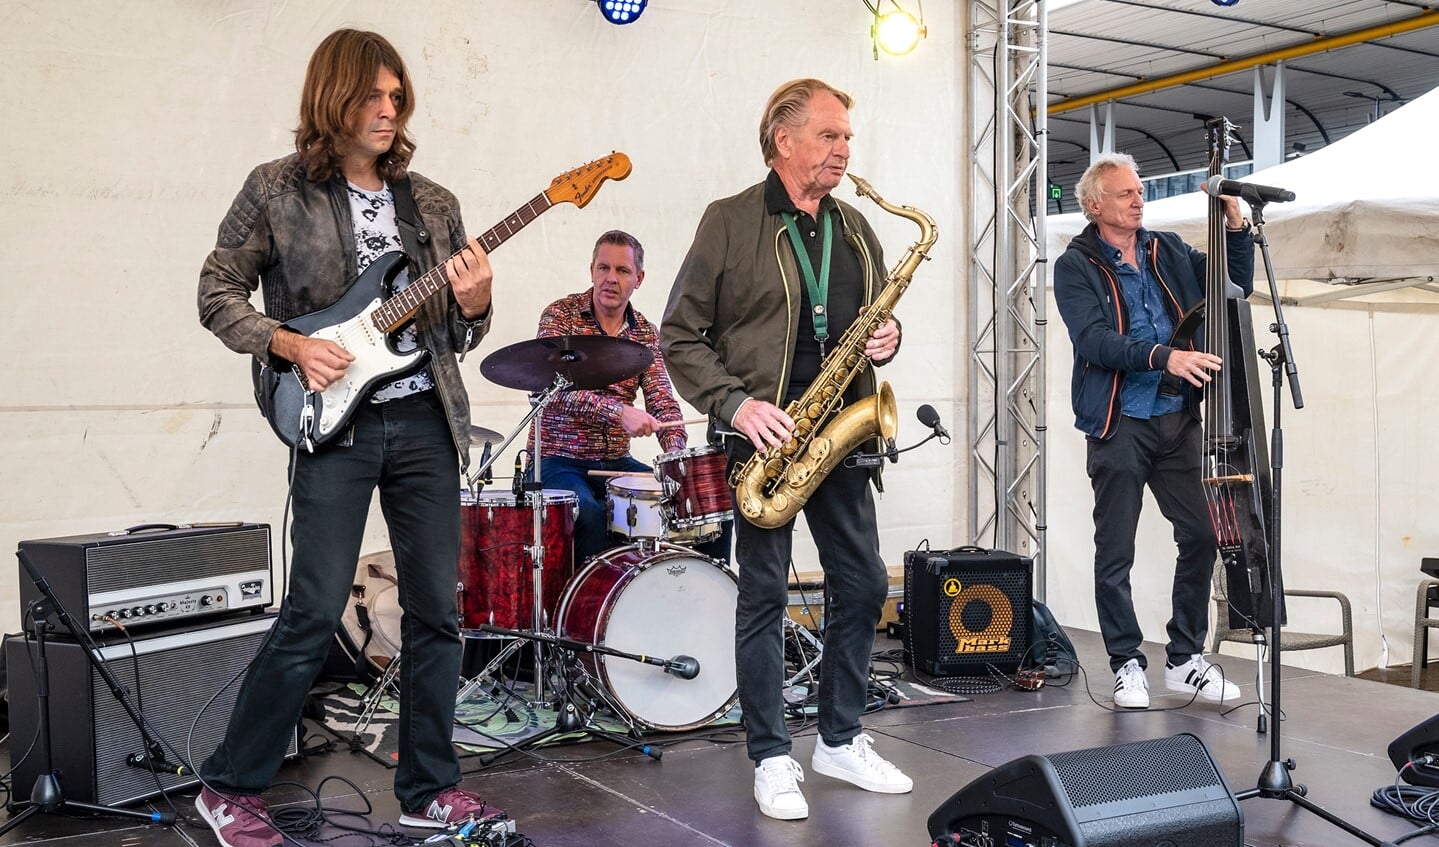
point(534, 495)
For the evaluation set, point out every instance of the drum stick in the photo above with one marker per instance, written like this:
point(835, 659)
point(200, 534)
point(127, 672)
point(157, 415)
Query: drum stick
point(615, 473)
point(685, 422)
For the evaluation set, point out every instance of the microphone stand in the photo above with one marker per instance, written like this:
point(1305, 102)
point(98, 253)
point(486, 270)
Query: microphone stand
point(47, 795)
point(1275, 782)
point(576, 714)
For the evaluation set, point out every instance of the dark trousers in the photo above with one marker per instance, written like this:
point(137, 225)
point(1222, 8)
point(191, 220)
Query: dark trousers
point(592, 519)
point(841, 518)
point(1163, 453)
point(403, 447)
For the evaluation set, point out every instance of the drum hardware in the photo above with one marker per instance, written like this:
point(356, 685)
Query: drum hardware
point(548, 366)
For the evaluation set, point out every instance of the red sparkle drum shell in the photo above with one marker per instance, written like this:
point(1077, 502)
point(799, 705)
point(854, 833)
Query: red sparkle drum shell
point(696, 491)
point(496, 582)
point(662, 601)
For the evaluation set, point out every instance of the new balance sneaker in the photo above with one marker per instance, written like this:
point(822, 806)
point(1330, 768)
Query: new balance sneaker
point(450, 806)
point(1131, 689)
point(858, 764)
point(1197, 675)
point(239, 820)
point(776, 788)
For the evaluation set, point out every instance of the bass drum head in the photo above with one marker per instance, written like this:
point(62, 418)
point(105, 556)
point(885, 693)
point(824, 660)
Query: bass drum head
point(372, 613)
point(667, 602)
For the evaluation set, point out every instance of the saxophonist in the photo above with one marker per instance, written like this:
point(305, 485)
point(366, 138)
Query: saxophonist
point(775, 275)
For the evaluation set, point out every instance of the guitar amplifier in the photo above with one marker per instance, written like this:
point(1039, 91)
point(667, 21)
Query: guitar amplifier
point(154, 573)
point(967, 611)
point(171, 675)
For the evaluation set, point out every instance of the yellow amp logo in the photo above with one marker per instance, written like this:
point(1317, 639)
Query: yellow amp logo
point(995, 638)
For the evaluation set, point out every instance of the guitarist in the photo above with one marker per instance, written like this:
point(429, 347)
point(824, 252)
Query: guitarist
point(303, 228)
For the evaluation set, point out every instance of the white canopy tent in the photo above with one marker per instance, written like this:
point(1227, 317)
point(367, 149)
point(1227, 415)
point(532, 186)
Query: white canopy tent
point(1359, 488)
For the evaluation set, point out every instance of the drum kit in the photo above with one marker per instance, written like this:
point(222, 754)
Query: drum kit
point(596, 633)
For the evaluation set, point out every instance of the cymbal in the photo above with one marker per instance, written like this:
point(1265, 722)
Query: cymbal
point(479, 435)
point(587, 361)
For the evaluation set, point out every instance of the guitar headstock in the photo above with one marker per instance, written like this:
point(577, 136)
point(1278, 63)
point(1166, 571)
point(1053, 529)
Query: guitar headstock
point(580, 185)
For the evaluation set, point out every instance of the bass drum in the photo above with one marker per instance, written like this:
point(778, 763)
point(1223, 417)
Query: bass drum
point(370, 627)
point(660, 601)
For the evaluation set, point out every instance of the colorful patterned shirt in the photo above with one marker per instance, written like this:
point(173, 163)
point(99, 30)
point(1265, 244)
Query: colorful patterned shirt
point(585, 425)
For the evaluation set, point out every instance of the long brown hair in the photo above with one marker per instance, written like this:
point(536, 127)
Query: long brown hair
point(340, 77)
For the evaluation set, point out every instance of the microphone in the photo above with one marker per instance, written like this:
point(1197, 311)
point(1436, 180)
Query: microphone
point(517, 485)
point(684, 667)
point(930, 418)
point(489, 477)
point(1218, 186)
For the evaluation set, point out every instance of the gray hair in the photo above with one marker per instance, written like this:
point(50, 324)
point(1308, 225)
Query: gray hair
point(1087, 188)
point(789, 106)
point(620, 238)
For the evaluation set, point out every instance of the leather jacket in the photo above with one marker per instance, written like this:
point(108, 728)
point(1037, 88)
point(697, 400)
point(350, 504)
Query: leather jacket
point(293, 238)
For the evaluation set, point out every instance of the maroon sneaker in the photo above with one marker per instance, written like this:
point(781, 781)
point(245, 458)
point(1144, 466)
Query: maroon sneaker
point(239, 820)
point(450, 807)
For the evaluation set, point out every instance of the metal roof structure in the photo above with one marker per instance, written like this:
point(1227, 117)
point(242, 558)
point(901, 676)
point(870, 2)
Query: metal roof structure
point(1167, 66)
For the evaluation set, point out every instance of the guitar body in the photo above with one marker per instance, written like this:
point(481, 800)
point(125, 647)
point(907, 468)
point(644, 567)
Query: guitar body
point(316, 419)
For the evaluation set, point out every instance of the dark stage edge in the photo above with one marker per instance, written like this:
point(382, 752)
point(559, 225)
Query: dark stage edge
point(1337, 730)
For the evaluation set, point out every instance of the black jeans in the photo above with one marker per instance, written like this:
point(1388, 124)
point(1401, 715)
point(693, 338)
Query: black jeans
point(1165, 454)
point(403, 447)
point(841, 518)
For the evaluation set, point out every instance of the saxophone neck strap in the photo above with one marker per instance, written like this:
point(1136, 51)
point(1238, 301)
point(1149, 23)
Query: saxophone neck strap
point(818, 286)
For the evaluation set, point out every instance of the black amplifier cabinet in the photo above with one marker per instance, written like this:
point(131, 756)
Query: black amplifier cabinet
point(92, 736)
point(967, 610)
point(154, 574)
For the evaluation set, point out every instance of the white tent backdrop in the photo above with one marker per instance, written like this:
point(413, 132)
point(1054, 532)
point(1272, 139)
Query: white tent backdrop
point(135, 124)
point(1361, 475)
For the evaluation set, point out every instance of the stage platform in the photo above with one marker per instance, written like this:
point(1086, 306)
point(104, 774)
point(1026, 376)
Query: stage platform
point(587, 795)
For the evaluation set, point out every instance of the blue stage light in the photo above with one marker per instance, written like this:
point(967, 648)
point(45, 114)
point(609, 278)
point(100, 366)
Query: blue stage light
point(622, 11)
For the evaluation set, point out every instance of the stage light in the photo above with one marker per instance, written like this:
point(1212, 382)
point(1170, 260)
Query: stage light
point(895, 32)
point(622, 11)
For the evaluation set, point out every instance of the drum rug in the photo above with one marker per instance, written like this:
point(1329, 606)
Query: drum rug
point(487, 720)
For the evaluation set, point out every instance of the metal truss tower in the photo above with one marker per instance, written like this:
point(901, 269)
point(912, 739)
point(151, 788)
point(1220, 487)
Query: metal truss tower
point(1005, 106)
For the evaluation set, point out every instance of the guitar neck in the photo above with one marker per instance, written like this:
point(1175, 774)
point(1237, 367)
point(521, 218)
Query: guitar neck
point(388, 316)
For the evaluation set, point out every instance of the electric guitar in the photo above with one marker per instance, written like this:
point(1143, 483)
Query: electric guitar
point(364, 323)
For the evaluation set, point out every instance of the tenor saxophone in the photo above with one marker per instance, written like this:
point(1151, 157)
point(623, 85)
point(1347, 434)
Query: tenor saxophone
point(774, 485)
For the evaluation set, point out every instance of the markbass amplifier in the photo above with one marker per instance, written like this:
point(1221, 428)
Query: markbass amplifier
point(171, 674)
point(967, 611)
point(154, 573)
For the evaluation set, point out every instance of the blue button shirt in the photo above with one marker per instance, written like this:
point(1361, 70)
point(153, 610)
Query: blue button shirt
point(1149, 322)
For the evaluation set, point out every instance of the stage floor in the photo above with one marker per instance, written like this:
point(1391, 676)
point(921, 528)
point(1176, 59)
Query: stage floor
point(1337, 731)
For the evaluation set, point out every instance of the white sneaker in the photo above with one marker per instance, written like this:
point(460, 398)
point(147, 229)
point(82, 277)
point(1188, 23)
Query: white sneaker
point(858, 764)
point(1131, 689)
point(776, 788)
point(1197, 675)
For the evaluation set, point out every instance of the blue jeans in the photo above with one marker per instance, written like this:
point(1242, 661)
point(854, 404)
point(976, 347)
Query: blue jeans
point(841, 518)
point(403, 447)
point(592, 520)
point(1164, 454)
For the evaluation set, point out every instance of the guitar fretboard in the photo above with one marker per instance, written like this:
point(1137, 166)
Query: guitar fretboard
point(389, 315)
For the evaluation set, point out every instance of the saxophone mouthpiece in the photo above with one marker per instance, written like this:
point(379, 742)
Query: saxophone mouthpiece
point(862, 186)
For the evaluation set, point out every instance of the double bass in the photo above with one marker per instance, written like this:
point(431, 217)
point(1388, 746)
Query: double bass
point(1236, 471)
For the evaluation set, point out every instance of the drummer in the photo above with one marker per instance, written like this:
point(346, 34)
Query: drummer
point(591, 430)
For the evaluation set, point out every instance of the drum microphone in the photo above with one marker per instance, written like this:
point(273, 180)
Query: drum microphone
point(684, 667)
point(1218, 186)
point(517, 485)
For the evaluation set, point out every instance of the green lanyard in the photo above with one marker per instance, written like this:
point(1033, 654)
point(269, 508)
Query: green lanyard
point(818, 288)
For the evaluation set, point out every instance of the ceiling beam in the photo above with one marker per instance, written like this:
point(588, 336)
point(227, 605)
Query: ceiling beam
point(1420, 21)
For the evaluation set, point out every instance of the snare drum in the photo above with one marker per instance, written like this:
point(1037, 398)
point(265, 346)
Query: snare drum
point(659, 601)
point(371, 621)
point(496, 578)
point(694, 485)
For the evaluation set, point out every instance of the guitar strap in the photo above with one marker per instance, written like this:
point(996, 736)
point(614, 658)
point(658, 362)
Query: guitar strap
point(412, 229)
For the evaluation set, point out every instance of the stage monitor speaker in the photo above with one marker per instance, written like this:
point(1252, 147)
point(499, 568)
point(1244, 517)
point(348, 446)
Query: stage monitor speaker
point(92, 736)
point(1167, 792)
point(967, 611)
point(1412, 747)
